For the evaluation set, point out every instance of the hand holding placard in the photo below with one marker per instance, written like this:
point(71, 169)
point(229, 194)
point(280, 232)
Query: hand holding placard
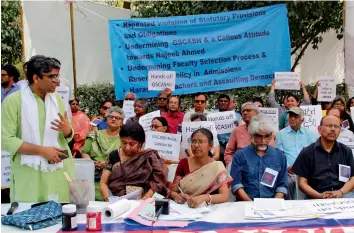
point(326, 89)
point(287, 80)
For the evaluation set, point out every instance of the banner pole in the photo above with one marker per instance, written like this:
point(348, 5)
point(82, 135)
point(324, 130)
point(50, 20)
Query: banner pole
point(73, 45)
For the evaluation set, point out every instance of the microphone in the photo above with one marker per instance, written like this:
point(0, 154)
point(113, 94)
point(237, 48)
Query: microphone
point(13, 208)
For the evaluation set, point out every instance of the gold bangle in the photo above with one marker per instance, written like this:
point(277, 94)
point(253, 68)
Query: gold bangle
point(210, 200)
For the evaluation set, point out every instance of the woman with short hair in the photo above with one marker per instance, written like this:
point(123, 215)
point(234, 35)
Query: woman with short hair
point(131, 168)
point(140, 108)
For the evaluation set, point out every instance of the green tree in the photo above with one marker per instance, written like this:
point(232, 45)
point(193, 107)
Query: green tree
point(308, 20)
point(10, 32)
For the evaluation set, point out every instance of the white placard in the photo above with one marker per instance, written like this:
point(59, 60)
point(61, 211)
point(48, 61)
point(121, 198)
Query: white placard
point(287, 80)
point(145, 121)
point(326, 89)
point(224, 121)
point(168, 145)
point(189, 127)
point(269, 204)
point(272, 113)
point(5, 169)
point(334, 205)
point(128, 108)
point(160, 80)
point(65, 95)
point(313, 116)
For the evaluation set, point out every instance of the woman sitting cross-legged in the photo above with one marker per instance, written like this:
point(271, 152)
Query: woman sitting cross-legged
point(131, 168)
point(201, 178)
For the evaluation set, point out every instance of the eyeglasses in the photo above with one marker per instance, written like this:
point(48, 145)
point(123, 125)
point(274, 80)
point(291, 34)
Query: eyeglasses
point(128, 99)
point(156, 126)
point(332, 126)
point(199, 101)
point(105, 107)
point(162, 99)
point(260, 137)
point(247, 110)
point(138, 106)
point(51, 76)
point(198, 142)
point(3, 75)
point(114, 117)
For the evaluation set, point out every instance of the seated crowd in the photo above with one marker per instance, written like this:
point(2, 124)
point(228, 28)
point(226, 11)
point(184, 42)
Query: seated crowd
point(255, 160)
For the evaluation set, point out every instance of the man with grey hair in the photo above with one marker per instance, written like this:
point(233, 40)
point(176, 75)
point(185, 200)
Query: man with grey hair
point(259, 170)
point(291, 140)
point(239, 136)
point(130, 96)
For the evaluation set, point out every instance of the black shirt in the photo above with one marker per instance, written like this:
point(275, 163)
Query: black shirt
point(320, 168)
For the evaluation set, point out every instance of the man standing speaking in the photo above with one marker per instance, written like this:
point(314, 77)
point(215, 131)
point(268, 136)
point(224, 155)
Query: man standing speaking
point(36, 131)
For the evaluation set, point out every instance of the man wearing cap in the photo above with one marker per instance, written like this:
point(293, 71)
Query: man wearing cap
point(291, 140)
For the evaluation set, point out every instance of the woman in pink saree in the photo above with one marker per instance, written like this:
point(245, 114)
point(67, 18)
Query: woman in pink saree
point(81, 126)
point(200, 178)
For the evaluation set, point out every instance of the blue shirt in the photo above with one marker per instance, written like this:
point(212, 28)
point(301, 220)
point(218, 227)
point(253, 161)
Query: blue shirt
point(291, 142)
point(224, 138)
point(11, 90)
point(247, 169)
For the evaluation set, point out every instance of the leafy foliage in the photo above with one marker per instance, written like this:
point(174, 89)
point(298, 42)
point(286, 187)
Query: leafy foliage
point(307, 19)
point(91, 96)
point(10, 32)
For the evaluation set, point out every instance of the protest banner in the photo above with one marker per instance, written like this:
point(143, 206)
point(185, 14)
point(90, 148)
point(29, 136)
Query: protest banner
point(208, 52)
point(5, 169)
point(168, 145)
point(287, 81)
point(160, 80)
point(326, 89)
point(145, 121)
point(272, 113)
point(128, 109)
point(312, 117)
point(189, 127)
point(224, 121)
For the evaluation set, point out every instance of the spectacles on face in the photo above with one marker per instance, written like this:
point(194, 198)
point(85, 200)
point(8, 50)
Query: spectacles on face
point(162, 99)
point(128, 99)
point(156, 126)
point(105, 107)
point(261, 137)
point(198, 142)
point(3, 75)
point(52, 76)
point(114, 117)
point(138, 106)
point(247, 110)
point(199, 101)
point(337, 127)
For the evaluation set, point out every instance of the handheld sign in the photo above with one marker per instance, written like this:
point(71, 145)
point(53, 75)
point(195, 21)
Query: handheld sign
point(224, 121)
point(160, 80)
point(145, 121)
point(128, 108)
point(272, 113)
point(312, 117)
point(168, 145)
point(326, 89)
point(5, 169)
point(287, 80)
point(189, 127)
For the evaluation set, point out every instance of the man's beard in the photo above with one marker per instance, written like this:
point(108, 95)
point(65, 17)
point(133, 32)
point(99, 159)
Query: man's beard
point(4, 84)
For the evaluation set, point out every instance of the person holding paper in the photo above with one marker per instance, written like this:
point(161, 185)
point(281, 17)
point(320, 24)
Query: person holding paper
point(224, 105)
point(99, 144)
point(325, 168)
point(173, 116)
point(339, 103)
point(200, 102)
point(291, 140)
point(239, 136)
point(199, 178)
point(132, 168)
point(35, 131)
point(345, 134)
point(324, 105)
point(162, 102)
point(259, 170)
point(140, 107)
point(98, 122)
point(272, 101)
point(81, 126)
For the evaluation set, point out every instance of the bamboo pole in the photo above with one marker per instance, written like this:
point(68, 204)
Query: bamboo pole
point(73, 46)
